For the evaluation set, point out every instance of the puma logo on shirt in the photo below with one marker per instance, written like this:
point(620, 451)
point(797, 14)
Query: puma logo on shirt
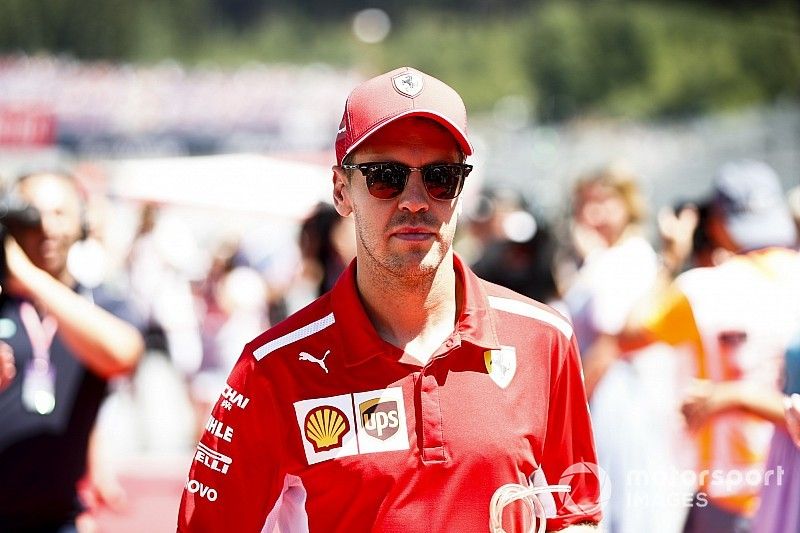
point(304, 356)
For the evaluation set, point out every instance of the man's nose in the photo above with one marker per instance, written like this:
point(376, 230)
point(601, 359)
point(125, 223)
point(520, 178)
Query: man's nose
point(414, 197)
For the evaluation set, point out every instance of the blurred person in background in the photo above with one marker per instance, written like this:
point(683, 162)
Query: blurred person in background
point(737, 317)
point(242, 297)
point(484, 219)
point(275, 253)
point(327, 246)
point(234, 299)
point(320, 243)
point(207, 293)
point(678, 249)
point(67, 341)
point(89, 260)
point(792, 407)
point(510, 247)
point(163, 261)
point(794, 205)
point(778, 510)
point(612, 267)
point(606, 253)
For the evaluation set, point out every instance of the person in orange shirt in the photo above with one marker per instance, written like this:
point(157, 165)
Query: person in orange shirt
point(738, 317)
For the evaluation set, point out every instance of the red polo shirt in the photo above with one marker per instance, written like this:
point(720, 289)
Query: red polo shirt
point(324, 426)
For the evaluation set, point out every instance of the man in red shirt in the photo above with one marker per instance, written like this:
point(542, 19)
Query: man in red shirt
point(404, 398)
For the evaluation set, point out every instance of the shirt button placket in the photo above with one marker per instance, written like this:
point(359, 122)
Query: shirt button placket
point(432, 430)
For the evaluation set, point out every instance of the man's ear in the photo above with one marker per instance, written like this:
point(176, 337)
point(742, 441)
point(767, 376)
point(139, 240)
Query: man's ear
point(341, 192)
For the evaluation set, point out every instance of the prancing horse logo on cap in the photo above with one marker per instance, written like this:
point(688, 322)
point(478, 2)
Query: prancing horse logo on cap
point(408, 84)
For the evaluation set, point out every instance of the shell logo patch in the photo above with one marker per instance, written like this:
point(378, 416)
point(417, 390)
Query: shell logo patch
point(325, 427)
point(408, 84)
point(501, 365)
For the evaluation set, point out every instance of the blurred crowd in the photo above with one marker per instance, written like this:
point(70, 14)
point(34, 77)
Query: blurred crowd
point(177, 110)
point(690, 342)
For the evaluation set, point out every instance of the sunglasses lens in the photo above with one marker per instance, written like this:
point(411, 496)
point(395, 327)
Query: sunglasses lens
point(385, 181)
point(444, 182)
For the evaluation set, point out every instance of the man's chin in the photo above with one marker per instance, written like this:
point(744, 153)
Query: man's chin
point(416, 265)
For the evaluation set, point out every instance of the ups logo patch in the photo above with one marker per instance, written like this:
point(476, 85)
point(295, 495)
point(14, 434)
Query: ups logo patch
point(380, 419)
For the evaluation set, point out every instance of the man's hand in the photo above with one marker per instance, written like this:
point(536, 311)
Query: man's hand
point(792, 409)
point(106, 344)
point(597, 359)
point(101, 488)
point(677, 233)
point(8, 369)
point(586, 240)
point(703, 400)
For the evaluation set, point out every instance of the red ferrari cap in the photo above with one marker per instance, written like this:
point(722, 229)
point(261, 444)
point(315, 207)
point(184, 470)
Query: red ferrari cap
point(403, 92)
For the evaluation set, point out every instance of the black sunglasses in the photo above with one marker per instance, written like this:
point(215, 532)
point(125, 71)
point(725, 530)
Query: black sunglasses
point(443, 181)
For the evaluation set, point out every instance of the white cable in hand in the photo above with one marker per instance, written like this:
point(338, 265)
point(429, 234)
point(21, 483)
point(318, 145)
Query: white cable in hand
point(512, 492)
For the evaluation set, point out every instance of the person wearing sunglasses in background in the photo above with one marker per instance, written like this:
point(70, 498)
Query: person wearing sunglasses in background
point(404, 398)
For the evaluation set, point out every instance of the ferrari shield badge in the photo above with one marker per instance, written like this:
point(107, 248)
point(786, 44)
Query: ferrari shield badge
point(501, 365)
point(408, 84)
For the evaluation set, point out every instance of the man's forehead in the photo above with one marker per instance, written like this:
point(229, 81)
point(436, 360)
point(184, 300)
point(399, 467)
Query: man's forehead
point(49, 191)
point(409, 132)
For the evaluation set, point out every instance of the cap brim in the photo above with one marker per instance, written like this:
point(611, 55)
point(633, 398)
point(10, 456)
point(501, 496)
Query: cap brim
point(752, 231)
point(459, 135)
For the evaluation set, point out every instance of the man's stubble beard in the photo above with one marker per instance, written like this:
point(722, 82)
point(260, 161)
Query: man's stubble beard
point(411, 267)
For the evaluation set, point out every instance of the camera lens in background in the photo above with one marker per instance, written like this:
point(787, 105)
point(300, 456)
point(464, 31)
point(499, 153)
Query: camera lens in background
point(15, 215)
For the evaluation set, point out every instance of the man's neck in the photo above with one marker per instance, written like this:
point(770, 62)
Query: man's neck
point(416, 314)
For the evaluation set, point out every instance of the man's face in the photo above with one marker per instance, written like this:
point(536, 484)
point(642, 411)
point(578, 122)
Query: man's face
point(59, 205)
point(602, 209)
point(411, 234)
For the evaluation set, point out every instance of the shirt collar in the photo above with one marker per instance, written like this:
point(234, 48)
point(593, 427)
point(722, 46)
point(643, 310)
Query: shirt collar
point(361, 341)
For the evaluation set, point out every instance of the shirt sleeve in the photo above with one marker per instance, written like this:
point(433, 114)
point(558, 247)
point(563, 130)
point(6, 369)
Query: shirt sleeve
point(627, 273)
point(672, 319)
point(569, 456)
point(235, 481)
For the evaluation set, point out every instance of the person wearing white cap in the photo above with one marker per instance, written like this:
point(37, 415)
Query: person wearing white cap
point(413, 396)
point(738, 318)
